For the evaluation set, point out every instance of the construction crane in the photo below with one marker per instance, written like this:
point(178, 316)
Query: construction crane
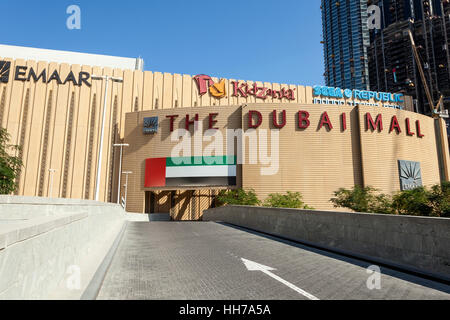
point(434, 108)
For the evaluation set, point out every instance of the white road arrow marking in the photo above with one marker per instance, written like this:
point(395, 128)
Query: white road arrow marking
point(253, 266)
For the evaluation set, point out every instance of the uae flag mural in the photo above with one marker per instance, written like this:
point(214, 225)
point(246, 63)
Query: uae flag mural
point(190, 172)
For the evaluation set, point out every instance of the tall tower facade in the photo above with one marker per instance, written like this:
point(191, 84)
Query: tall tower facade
point(392, 66)
point(346, 40)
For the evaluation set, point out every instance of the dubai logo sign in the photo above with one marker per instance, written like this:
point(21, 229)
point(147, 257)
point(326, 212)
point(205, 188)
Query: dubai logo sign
point(5, 66)
point(244, 90)
point(150, 125)
point(410, 175)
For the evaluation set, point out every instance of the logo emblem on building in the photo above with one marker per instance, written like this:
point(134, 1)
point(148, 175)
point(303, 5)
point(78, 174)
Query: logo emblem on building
point(5, 66)
point(150, 125)
point(410, 175)
point(205, 83)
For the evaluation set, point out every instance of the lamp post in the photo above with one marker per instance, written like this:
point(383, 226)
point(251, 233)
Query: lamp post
point(100, 153)
point(126, 173)
point(51, 171)
point(121, 145)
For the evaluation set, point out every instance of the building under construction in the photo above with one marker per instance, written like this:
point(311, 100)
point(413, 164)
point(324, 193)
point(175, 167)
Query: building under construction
point(392, 66)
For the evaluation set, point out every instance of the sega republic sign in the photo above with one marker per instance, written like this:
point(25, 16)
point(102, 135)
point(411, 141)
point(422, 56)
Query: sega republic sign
point(338, 96)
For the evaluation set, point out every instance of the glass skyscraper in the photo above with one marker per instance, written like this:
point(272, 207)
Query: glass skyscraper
point(346, 40)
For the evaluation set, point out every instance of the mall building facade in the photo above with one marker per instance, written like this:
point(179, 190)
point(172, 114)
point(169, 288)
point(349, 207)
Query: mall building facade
point(191, 136)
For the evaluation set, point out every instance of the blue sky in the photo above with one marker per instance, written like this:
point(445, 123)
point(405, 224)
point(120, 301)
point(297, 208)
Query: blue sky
point(263, 40)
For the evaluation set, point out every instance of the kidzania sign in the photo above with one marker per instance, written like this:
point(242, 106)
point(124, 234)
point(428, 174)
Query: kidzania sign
point(205, 83)
point(340, 96)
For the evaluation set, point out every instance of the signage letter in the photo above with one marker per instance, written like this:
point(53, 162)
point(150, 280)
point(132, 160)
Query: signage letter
point(283, 120)
point(172, 119)
point(188, 122)
point(212, 122)
point(325, 120)
point(250, 119)
point(395, 125)
point(303, 119)
point(20, 73)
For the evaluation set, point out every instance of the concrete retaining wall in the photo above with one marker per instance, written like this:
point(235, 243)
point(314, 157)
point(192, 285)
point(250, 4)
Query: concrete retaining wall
point(419, 244)
point(42, 239)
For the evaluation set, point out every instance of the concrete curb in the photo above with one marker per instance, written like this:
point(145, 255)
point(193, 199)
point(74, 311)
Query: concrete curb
point(96, 282)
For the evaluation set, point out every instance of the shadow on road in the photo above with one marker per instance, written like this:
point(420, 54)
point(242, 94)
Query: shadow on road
point(386, 269)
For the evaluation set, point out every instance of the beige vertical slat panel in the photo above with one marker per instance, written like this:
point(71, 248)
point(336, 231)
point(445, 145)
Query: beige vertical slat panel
point(195, 95)
point(15, 104)
point(301, 94)
point(213, 100)
point(188, 83)
point(205, 100)
point(157, 90)
point(177, 90)
point(72, 165)
point(9, 87)
point(251, 98)
point(167, 91)
point(114, 156)
point(87, 174)
point(97, 88)
point(138, 84)
point(241, 99)
point(25, 125)
point(113, 165)
point(308, 95)
point(260, 85)
point(58, 140)
point(32, 164)
point(276, 87)
point(269, 99)
point(148, 91)
point(49, 114)
point(295, 90)
point(104, 176)
point(127, 98)
point(118, 90)
point(2, 107)
point(80, 138)
point(225, 101)
point(285, 87)
point(233, 99)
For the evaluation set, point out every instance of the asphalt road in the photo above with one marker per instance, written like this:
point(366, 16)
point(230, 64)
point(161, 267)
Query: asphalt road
point(203, 261)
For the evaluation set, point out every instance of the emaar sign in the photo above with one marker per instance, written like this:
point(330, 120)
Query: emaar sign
point(322, 95)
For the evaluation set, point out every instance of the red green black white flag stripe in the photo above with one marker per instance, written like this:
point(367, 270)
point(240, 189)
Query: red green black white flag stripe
point(190, 172)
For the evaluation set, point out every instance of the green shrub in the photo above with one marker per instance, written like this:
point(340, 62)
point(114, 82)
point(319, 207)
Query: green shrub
point(434, 202)
point(238, 197)
point(414, 202)
point(289, 200)
point(440, 199)
point(10, 165)
point(361, 199)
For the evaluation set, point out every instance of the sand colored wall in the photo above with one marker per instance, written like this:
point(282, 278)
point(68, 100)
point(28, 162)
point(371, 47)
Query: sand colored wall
point(143, 146)
point(314, 161)
point(59, 125)
point(381, 150)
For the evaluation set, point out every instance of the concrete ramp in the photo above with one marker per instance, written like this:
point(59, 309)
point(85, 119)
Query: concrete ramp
point(49, 248)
